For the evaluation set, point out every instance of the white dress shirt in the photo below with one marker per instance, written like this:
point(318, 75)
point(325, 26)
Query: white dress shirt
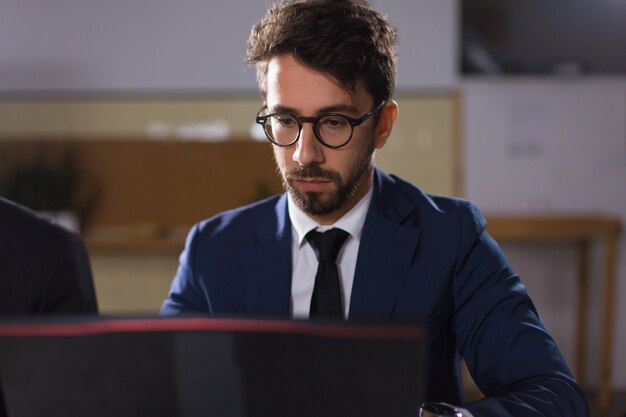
point(304, 262)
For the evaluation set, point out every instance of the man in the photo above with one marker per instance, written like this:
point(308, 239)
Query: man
point(44, 269)
point(326, 70)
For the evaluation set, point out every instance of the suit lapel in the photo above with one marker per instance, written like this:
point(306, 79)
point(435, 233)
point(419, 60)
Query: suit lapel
point(386, 252)
point(266, 267)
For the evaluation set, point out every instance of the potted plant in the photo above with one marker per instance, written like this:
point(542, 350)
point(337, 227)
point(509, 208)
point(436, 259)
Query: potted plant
point(46, 184)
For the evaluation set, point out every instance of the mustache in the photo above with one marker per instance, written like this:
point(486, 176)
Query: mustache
point(312, 171)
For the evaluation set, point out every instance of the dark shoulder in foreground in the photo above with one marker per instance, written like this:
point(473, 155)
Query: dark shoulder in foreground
point(45, 268)
point(17, 220)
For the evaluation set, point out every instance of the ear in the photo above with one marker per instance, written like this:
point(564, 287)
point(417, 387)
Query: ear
point(388, 116)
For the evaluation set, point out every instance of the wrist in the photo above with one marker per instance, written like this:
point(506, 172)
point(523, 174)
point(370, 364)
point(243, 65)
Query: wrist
point(433, 409)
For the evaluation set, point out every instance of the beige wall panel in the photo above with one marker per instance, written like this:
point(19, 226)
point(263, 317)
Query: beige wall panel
point(106, 118)
point(132, 284)
point(421, 148)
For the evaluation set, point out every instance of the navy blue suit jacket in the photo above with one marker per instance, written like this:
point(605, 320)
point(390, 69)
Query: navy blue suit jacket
point(421, 258)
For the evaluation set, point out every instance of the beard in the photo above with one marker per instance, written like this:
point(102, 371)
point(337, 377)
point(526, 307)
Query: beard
point(323, 203)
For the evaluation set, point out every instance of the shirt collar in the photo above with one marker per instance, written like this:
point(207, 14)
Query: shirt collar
point(352, 222)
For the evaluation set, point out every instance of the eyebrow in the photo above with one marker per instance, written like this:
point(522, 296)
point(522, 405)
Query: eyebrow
point(335, 108)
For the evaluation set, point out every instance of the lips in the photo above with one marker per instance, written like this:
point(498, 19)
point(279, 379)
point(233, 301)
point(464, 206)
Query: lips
point(312, 178)
point(312, 184)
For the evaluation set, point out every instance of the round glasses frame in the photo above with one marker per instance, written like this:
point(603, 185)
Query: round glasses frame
point(352, 121)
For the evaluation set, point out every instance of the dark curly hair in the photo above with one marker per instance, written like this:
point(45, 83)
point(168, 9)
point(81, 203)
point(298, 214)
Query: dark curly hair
point(346, 39)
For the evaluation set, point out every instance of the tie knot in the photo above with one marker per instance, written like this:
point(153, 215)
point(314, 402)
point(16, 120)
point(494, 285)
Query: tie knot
point(327, 245)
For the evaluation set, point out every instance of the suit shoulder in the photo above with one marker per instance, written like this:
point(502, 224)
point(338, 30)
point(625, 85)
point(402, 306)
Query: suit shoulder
point(436, 202)
point(242, 220)
point(455, 205)
point(20, 223)
point(436, 208)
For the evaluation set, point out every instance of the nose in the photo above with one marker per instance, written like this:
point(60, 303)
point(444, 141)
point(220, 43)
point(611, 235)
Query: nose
point(308, 149)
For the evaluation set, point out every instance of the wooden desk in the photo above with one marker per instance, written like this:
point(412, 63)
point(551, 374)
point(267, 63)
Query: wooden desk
point(580, 230)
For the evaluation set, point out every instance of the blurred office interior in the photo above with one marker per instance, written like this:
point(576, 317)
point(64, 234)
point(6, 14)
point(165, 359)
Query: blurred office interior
point(137, 118)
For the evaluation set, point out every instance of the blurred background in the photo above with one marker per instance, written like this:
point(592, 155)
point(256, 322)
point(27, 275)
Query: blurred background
point(131, 120)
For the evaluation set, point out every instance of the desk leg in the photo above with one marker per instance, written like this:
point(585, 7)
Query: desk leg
point(581, 320)
point(607, 325)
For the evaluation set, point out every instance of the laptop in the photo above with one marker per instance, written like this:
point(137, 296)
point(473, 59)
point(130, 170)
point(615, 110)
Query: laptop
point(199, 366)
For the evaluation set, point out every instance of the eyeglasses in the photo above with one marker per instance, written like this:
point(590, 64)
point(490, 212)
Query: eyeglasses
point(332, 129)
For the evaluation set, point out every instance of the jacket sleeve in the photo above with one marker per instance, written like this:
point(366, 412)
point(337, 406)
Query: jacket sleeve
point(185, 294)
point(509, 353)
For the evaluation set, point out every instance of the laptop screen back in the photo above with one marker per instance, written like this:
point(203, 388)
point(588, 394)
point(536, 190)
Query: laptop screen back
point(210, 367)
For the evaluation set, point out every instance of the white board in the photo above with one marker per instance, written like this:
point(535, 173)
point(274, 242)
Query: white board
point(552, 146)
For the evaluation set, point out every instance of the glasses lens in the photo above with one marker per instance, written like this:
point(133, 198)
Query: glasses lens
point(282, 129)
point(334, 130)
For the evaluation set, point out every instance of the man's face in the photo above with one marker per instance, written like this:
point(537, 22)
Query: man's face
point(325, 183)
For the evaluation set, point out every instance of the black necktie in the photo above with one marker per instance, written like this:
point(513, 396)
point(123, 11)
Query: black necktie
point(326, 299)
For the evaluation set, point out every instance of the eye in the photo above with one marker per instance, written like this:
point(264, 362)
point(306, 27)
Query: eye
point(284, 120)
point(333, 122)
